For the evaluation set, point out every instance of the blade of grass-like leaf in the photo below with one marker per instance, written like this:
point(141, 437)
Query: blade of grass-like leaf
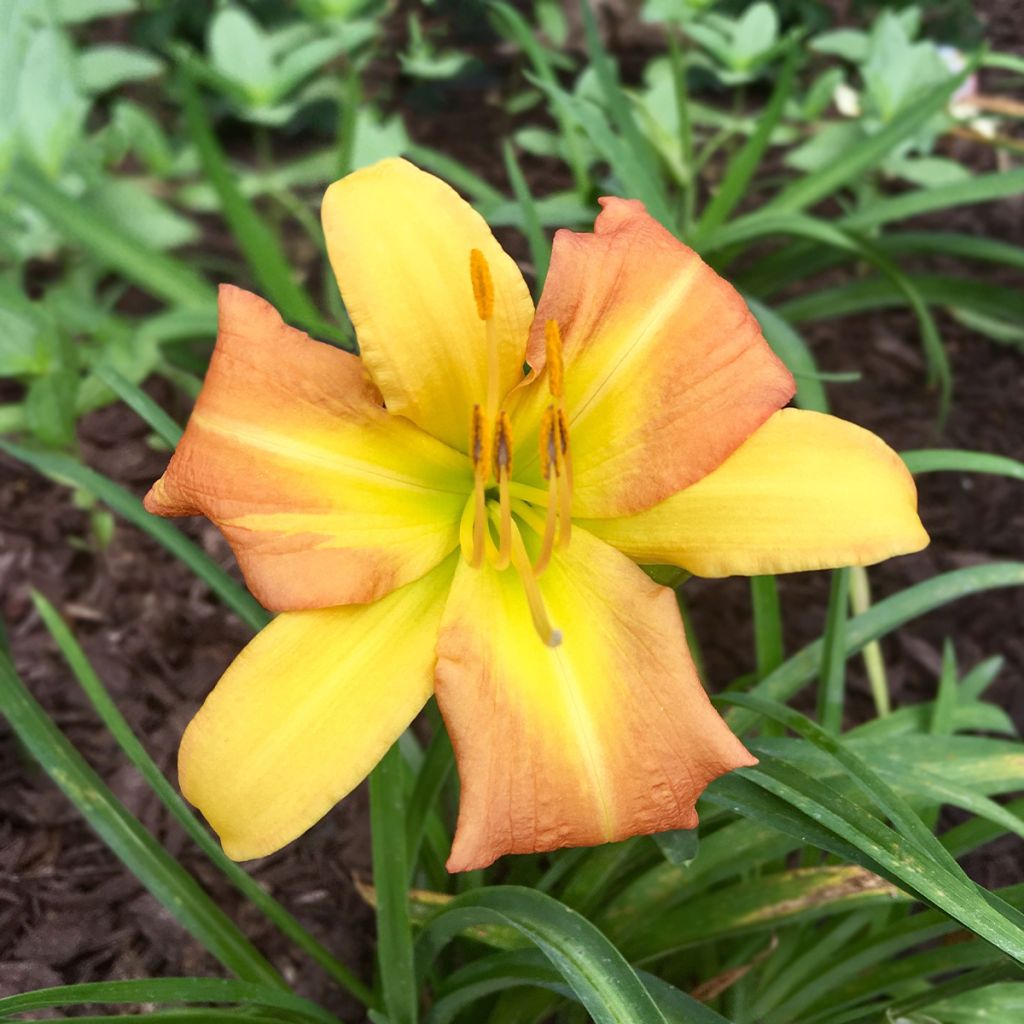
point(161, 275)
point(139, 402)
point(540, 248)
point(501, 971)
point(832, 691)
point(634, 175)
point(456, 174)
point(980, 977)
point(63, 469)
point(950, 243)
point(938, 460)
point(260, 246)
point(889, 614)
point(778, 899)
point(870, 293)
point(618, 106)
point(901, 859)
point(791, 348)
point(605, 984)
point(981, 188)
point(841, 239)
point(136, 753)
point(207, 1015)
point(678, 64)
point(894, 806)
point(160, 873)
point(980, 678)
point(435, 771)
point(390, 871)
point(164, 990)
point(817, 185)
point(513, 26)
point(744, 164)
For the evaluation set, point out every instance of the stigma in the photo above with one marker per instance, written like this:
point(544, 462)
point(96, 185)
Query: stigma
point(489, 532)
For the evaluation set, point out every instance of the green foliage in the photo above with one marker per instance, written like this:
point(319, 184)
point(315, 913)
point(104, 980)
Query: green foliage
point(819, 882)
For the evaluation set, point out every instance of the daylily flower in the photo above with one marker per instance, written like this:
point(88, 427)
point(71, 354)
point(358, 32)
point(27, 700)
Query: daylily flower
point(428, 519)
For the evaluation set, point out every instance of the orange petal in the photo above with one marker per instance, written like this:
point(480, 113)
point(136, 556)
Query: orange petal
point(666, 371)
point(606, 736)
point(400, 240)
point(806, 491)
point(324, 497)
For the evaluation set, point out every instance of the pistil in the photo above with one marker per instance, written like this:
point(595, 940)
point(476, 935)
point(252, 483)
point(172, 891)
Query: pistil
point(534, 599)
point(481, 473)
point(502, 461)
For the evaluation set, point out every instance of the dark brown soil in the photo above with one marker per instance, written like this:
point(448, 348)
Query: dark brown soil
point(68, 910)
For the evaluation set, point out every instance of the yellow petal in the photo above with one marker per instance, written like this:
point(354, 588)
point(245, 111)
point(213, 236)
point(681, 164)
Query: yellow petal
point(806, 491)
point(306, 710)
point(606, 736)
point(665, 369)
point(324, 497)
point(400, 240)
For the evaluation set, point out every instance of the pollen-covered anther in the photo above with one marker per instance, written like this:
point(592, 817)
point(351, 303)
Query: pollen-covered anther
point(483, 285)
point(555, 365)
point(501, 460)
point(483, 294)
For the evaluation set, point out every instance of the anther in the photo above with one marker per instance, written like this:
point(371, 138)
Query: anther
point(483, 293)
point(502, 462)
point(483, 286)
point(555, 365)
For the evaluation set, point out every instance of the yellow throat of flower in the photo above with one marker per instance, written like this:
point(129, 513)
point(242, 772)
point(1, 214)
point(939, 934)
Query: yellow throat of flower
point(491, 450)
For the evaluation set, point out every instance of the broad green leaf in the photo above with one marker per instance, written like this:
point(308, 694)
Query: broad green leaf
point(816, 186)
point(107, 66)
point(50, 108)
point(240, 49)
point(71, 12)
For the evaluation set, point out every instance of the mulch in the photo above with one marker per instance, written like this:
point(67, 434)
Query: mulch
point(69, 912)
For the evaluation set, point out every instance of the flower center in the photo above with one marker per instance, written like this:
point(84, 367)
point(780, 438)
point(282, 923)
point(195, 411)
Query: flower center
point(490, 532)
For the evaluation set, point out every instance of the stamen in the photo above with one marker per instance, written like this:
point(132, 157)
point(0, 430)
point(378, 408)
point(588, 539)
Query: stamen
point(555, 365)
point(481, 472)
point(564, 480)
point(550, 457)
point(483, 293)
point(483, 286)
point(538, 613)
point(502, 462)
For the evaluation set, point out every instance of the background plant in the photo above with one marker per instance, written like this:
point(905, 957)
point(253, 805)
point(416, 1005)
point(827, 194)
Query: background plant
point(147, 157)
